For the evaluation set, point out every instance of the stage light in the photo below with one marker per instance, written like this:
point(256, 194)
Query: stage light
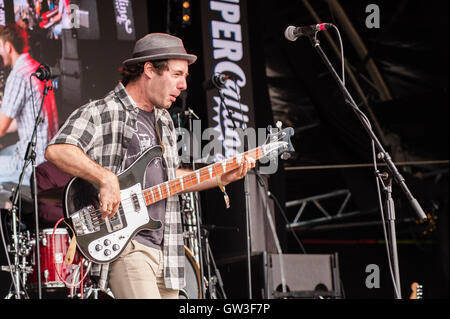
point(186, 12)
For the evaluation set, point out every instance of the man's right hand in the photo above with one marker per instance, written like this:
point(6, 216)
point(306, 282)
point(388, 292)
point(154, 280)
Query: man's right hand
point(109, 194)
point(72, 160)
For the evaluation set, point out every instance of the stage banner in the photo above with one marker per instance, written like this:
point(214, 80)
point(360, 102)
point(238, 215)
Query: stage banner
point(124, 20)
point(226, 51)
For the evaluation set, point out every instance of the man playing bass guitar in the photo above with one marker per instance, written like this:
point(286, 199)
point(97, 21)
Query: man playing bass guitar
point(105, 137)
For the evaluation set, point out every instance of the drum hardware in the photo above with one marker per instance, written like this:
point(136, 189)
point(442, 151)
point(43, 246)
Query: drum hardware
point(52, 261)
point(20, 248)
point(191, 209)
point(53, 269)
point(189, 234)
point(192, 290)
point(29, 158)
point(16, 267)
point(189, 223)
point(88, 287)
point(193, 267)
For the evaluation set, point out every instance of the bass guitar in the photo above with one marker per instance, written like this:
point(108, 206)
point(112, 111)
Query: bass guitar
point(102, 240)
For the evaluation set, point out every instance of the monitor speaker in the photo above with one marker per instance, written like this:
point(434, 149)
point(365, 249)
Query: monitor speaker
point(307, 276)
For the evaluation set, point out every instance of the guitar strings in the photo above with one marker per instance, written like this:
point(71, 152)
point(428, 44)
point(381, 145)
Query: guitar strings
point(165, 193)
point(217, 168)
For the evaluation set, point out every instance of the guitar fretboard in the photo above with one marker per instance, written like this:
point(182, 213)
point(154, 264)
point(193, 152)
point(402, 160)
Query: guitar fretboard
point(182, 183)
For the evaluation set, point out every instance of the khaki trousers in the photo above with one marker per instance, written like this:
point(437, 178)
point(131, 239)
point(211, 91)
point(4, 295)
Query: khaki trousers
point(138, 274)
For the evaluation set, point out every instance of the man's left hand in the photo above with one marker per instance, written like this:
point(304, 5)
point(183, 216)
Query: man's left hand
point(238, 173)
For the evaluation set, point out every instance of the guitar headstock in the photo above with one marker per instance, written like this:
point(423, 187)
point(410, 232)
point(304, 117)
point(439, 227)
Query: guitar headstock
point(416, 291)
point(278, 142)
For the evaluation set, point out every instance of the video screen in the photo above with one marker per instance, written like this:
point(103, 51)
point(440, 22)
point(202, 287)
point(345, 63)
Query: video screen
point(50, 17)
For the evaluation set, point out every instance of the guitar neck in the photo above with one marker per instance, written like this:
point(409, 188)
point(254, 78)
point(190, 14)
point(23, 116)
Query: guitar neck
point(183, 183)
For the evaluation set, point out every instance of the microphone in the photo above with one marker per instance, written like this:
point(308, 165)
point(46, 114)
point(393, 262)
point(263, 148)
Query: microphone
point(43, 72)
point(217, 80)
point(292, 33)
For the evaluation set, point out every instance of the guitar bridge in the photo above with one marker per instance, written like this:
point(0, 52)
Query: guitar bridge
point(86, 221)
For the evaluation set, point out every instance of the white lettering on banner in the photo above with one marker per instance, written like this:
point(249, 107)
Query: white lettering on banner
point(229, 30)
point(122, 15)
point(230, 12)
point(228, 51)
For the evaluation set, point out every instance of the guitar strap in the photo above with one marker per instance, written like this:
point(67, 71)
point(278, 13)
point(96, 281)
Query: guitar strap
point(158, 129)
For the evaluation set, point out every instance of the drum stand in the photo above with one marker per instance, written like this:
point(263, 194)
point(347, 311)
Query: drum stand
point(22, 245)
point(92, 291)
point(29, 158)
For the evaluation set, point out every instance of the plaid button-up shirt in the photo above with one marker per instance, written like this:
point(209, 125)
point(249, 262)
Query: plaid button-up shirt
point(18, 104)
point(103, 130)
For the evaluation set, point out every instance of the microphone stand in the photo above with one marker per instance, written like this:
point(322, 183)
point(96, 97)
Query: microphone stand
point(381, 155)
point(197, 207)
point(30, 156)
point(247, 203)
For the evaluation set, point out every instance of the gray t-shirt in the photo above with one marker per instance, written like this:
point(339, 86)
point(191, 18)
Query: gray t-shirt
point(144, 137)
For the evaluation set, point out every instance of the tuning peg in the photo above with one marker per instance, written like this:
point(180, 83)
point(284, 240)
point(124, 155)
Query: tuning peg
point(279, 125)
point(285, 156)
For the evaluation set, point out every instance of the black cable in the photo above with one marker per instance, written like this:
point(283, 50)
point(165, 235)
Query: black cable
point(285, 219)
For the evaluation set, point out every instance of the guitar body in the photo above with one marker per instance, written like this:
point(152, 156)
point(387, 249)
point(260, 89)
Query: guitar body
point(102, 240)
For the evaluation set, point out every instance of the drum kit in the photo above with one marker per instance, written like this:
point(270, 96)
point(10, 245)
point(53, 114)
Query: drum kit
point(60, 279)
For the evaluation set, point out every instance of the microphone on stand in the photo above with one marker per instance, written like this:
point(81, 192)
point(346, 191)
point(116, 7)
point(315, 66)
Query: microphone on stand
point(293, 33)
point(217, 80)
point(43, 72)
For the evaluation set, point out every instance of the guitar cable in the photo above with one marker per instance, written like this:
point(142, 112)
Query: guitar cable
point(81, 262)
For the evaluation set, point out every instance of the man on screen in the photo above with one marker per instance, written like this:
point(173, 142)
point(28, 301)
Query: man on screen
point(20, 105)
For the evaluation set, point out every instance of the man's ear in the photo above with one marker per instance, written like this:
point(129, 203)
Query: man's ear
point(149, 70)
point(7, 47)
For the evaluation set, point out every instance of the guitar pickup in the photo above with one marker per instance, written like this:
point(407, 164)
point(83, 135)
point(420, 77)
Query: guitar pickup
point(135, 201)
point(114, 223)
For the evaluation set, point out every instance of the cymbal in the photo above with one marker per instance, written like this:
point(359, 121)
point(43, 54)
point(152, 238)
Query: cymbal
point(5, 202)
point(6, 191)
point(52, 194)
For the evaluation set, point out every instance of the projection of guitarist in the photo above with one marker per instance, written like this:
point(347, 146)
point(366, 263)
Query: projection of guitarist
point(100, 140)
